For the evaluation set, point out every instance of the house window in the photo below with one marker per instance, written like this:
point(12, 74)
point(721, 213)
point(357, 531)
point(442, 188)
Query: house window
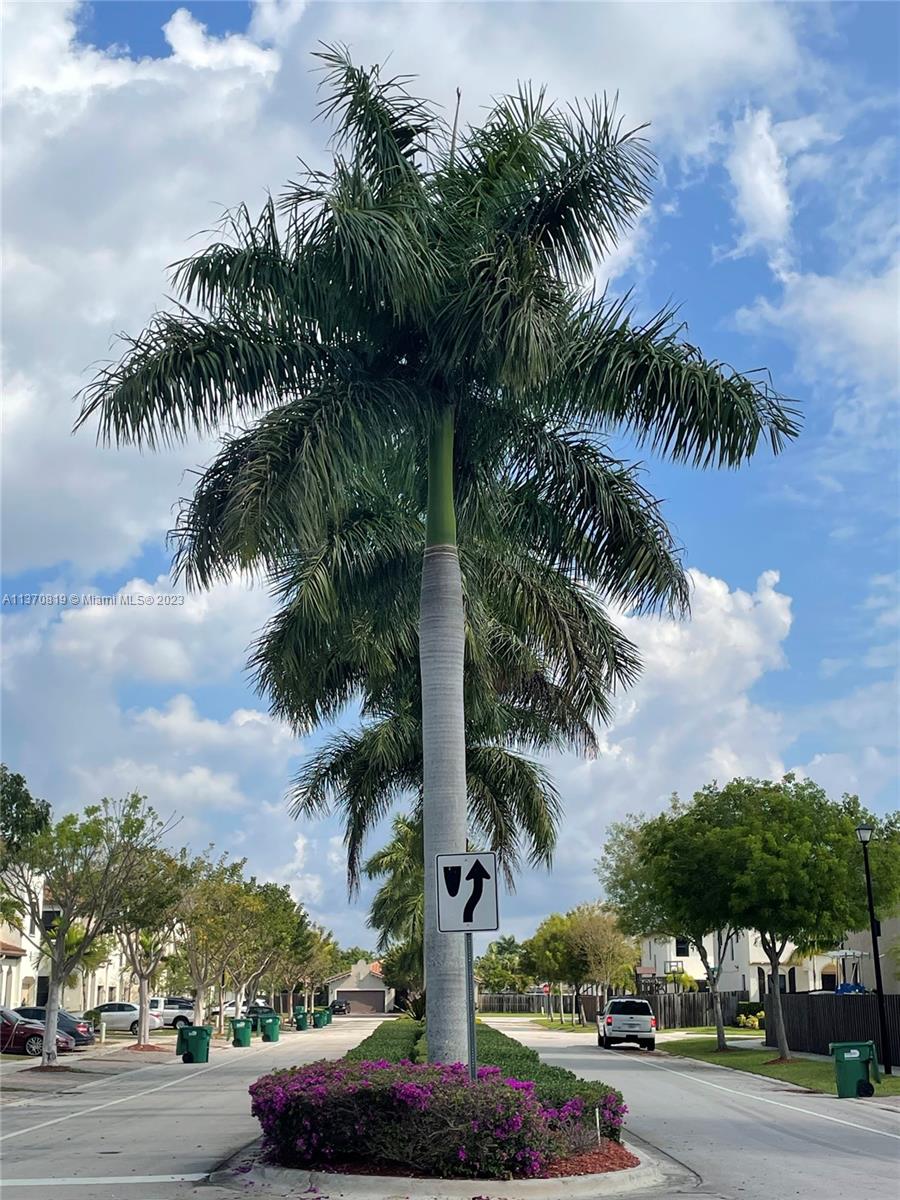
point(682, 947)
point(761, 981)
point(792, 979)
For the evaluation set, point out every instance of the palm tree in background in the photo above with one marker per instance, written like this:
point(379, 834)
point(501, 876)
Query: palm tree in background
point(427, 294)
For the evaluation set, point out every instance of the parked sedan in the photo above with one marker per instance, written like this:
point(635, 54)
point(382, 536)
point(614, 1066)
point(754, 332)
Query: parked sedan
point(22, 1035)
point(78, 1030)
point(340, 1008)
point(119, 1014)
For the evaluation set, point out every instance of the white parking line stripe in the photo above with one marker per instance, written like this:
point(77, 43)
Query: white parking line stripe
point(645, 1062)
point(133, 1096)
point(102, 1180)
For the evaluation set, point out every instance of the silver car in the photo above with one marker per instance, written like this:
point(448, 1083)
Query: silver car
point(119, 1014)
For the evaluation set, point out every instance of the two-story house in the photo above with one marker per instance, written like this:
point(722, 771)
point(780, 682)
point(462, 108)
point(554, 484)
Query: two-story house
point(745, 969)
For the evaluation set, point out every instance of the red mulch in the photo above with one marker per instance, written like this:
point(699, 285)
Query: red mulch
point(150, 1046)
point(610, 1157)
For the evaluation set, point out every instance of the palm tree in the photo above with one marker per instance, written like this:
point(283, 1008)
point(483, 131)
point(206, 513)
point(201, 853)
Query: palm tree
point(398, 909)
point(542, 658)
point(427, 295)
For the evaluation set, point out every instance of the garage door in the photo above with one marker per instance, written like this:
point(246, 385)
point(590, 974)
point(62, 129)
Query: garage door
point(363, 1002)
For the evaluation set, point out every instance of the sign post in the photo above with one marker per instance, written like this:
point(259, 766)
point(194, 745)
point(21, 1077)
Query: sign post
point(467, 904)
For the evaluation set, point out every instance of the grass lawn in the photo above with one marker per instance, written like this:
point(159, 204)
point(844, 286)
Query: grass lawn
point(545, 1023)
point(802, 1072)
point(731, 1031)
point(488, 1012)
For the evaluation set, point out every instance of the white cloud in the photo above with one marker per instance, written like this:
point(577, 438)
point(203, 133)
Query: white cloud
point(192, 45)
point(846, 324)
point(758, 174)
point(199, 789)
point(306, 887)
point(153, 632)
point(273, 20)
point(181, 726)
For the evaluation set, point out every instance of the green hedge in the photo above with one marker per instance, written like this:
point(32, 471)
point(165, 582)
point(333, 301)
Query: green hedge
point(392, 1040)
point(553, 1085)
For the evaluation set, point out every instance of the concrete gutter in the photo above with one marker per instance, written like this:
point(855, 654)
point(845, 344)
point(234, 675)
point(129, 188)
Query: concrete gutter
point(245, 1171)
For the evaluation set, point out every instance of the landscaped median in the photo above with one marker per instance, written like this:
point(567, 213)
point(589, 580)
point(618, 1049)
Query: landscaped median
point(379, 1110)
point(814, 1074)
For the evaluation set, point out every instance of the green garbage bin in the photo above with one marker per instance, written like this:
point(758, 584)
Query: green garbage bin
point(271, 1028)
point(854, 1062)
point(182, 1044)
point(241, 1028)
point(329, 1016)
point(195, 1041)
point(300, 1020)
point(319, 1020)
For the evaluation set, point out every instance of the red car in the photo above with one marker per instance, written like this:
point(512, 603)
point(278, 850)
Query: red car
point(21, 1035)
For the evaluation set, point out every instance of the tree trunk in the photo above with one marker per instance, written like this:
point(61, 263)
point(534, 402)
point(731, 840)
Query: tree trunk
point(775, 987)
point(712, 978)
point(51, 1019)
point(199, 999)
point(144, 1005)
point(441, 649)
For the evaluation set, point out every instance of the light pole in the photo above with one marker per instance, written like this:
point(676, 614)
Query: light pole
point(864, 833)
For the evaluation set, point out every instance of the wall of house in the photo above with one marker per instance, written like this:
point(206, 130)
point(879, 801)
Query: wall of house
point(745, 967)
point(889, 952)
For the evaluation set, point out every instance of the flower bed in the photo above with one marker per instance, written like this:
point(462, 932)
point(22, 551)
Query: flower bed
point(429, 1117)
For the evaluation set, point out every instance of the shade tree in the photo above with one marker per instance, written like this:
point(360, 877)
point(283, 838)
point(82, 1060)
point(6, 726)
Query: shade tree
point(650, 869)
point(150, 918)
point(79, 867)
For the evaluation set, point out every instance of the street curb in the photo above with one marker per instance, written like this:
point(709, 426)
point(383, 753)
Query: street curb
point(288, 1181)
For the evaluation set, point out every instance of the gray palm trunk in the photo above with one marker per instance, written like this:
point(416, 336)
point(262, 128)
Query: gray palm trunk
point(441, 644)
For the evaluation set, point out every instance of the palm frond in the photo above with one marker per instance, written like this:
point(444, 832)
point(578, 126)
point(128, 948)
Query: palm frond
point(187, 374)
point(662, 391)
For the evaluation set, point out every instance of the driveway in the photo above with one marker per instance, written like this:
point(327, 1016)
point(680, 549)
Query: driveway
point(743, 1137)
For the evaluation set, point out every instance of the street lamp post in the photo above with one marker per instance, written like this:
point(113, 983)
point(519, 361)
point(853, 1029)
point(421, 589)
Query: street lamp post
point(864, 833)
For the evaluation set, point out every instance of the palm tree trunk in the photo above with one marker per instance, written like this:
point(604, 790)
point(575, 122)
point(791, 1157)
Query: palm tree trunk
point(441, 647)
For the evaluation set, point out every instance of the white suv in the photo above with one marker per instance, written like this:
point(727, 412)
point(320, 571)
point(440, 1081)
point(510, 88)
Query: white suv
point(172, 1010)
point(627, 1019)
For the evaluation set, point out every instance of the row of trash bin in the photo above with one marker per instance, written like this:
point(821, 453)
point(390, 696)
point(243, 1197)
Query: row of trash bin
point(193, 1040)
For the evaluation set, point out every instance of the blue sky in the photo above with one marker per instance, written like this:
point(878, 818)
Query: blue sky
point(773, 225)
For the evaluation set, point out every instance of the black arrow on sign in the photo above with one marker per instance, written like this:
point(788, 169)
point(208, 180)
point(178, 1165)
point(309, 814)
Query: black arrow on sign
point(478, 874)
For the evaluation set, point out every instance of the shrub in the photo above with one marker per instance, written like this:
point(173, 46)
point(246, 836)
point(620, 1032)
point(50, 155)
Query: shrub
point(494, 1127)
point(554, 1086)
point(750, 1008)
point(392, 1040)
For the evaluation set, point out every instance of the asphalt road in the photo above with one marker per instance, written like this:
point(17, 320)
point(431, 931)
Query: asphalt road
point(739, 1136)
point(151, 1133)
